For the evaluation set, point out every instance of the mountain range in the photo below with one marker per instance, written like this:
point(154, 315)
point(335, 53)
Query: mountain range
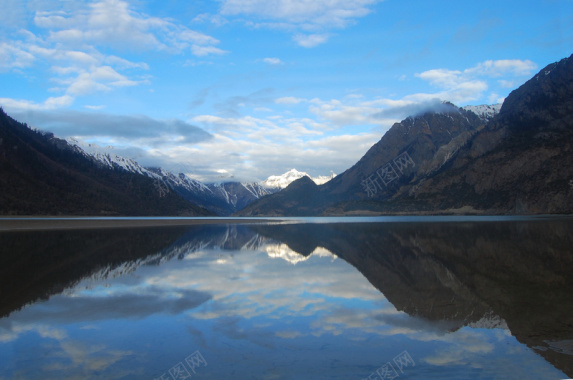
point(222, 198)
point(513, 159)
point(44, 175)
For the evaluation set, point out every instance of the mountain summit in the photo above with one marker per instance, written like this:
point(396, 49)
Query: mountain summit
point(282, 181)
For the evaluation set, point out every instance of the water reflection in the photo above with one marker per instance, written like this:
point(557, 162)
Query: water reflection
point(478, 300)
point(517, 274)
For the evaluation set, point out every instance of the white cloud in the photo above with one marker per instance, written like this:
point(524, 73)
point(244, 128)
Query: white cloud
point(345, 114)
point(69, 40)
point(251, 147)
point(471, 84)
point(289, 100)
point(441, 77)
point(70, 56)
point(514, 67)
point(216, 20)
point(305, 13)
point(201, 51)
point(113, 23)
point(196, 37)
point(78, 81)
point(272, 61)
point(452, 78)
point(124, 63)
point(14, 57)
point(315, 16)
point(95, 108)
point(15, 106)
point(310, 40)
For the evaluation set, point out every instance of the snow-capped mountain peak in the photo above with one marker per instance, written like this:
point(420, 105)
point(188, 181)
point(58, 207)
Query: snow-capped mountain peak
point(282, 181)
point(322, 179)
point(484, 111)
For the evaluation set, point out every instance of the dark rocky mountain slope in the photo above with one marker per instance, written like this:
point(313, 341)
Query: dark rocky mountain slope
point(43, 175)
point(522, 161)
point(449, 160)
point(410, 150)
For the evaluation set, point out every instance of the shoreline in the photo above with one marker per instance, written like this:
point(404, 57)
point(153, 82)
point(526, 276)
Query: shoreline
point(8, 224)
point(41, 223)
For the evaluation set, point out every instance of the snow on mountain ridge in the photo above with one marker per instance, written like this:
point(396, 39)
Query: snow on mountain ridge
point(106, 156)
point(283, 180)
point(322, 179)
point(484, 111)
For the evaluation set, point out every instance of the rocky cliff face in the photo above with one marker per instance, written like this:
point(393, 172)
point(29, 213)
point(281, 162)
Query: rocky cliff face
point(452, 160)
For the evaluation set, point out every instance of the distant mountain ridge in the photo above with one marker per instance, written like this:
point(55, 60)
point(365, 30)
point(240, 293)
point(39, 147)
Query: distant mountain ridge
point(222, 198)
point(513, 159)
point(43, 175)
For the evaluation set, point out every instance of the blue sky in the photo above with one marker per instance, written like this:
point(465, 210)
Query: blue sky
point(251, 88)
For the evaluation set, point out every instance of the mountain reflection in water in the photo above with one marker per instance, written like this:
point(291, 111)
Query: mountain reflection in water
point(480, 300)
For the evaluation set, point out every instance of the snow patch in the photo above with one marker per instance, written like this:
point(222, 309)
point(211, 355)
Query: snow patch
point(485, 112)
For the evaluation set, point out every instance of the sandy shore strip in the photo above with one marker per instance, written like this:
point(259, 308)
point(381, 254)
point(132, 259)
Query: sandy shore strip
point(70, 223)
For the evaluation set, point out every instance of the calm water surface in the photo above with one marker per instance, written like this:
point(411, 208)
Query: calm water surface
point(375, 299)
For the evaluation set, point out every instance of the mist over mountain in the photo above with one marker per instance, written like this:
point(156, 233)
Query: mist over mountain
point(514, 159)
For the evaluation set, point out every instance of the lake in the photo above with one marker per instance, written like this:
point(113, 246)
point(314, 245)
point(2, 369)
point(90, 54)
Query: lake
point(305, 298)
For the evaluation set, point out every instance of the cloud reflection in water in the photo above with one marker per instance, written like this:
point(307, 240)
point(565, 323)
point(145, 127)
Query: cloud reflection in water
point(236, 295)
